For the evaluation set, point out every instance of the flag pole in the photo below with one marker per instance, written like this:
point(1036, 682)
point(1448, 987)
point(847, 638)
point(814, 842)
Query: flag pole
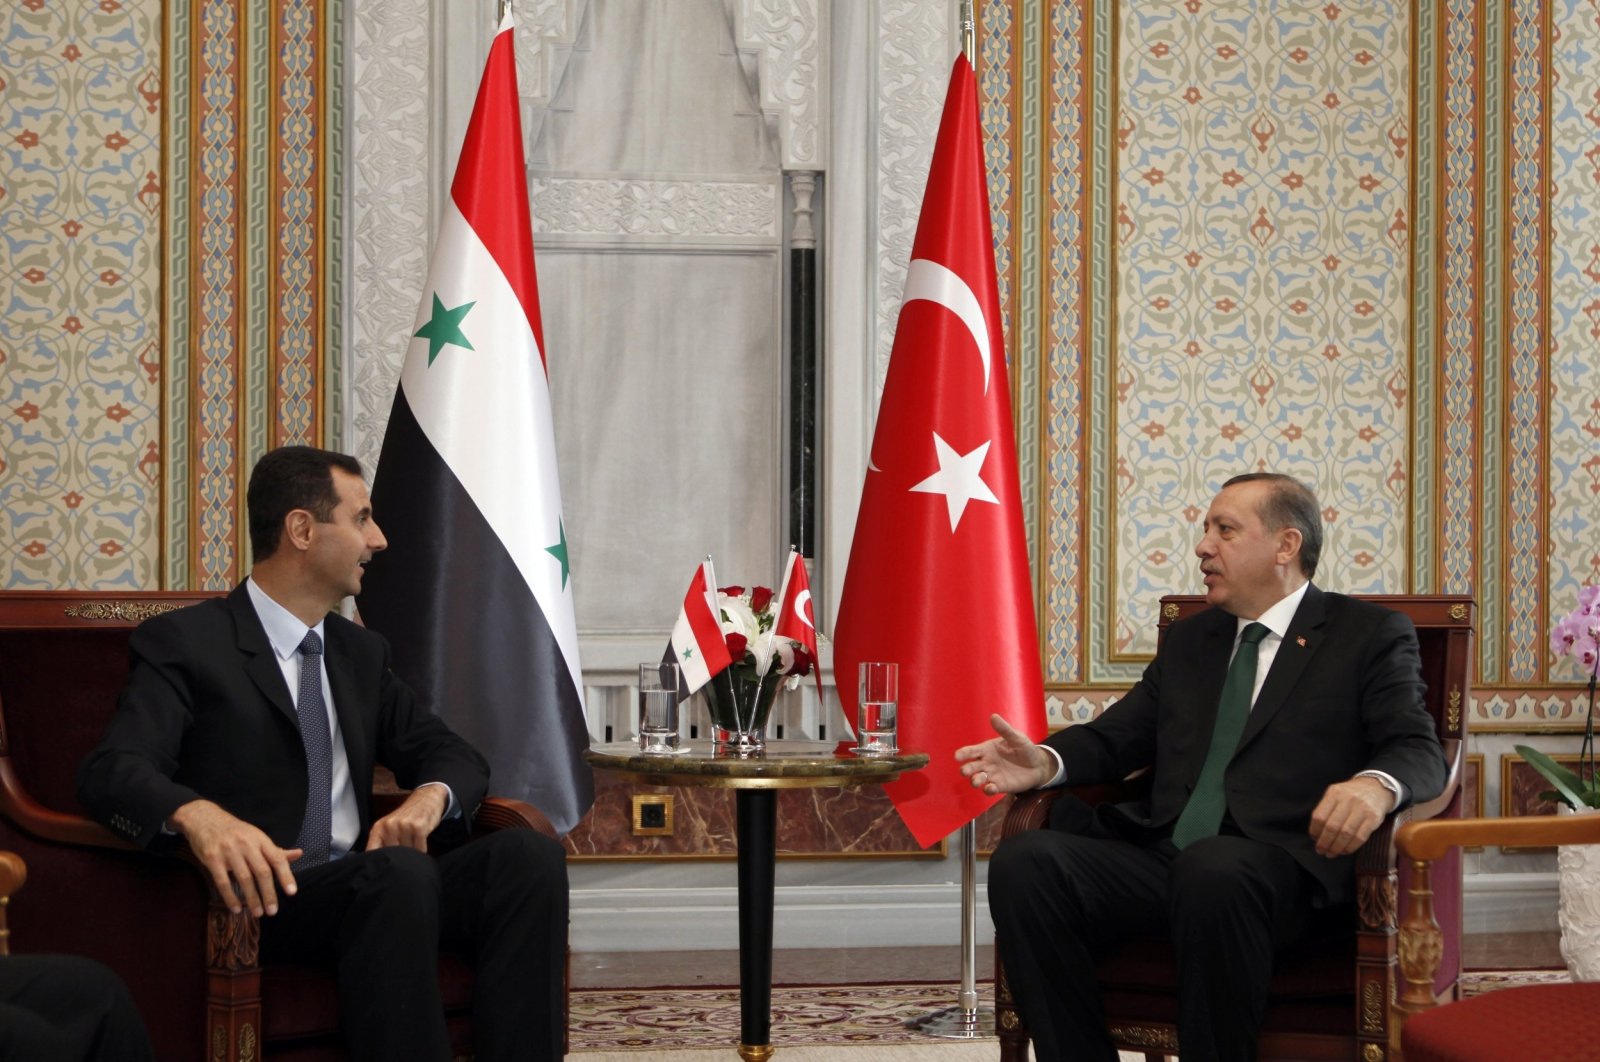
point(966, 1020)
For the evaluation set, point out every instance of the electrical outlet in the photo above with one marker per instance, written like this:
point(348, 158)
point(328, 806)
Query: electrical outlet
point(652, 815)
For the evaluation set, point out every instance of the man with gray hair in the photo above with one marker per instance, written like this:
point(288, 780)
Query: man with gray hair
point(1281, 726)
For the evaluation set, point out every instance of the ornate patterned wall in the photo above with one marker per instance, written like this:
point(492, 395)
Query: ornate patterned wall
point(81, 100)
point(171, 253)
point(1353, 241)
point(252, 261)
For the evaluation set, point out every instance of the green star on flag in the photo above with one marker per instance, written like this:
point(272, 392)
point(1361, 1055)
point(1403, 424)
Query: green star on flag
point(444, 328)
point(559, 552)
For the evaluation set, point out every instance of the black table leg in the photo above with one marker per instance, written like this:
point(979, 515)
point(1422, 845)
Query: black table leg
point(758, 853)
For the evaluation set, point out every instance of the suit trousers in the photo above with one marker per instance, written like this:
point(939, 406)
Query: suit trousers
point(62, 1008)
point(1227, 903)
point(379, 919)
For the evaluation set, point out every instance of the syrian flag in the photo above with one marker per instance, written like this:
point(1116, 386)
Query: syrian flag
point(938, 574)
point(697, 645)
point(795, 619)
point(475, 589)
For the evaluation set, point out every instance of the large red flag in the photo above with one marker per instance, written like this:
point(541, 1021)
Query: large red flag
point(938, 576)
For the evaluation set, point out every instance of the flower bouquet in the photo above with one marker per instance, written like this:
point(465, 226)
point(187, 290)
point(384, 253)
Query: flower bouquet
point(741, 695)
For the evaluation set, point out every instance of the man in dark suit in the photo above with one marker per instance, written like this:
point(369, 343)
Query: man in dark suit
point(1282, 726)
point(64, 1008)
point(250, 727)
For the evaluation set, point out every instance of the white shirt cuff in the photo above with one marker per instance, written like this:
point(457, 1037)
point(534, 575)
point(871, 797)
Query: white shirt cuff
point(1060, 777)
point(453, 810)
point(1392, 784)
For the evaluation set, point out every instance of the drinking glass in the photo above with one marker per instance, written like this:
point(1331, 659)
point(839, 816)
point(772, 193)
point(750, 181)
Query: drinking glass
point(877, 711)
point(658, 709)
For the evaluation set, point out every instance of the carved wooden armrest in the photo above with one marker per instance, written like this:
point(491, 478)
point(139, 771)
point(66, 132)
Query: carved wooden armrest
point(1031, 809)
point(1028, 811)
point(27, 814)
point(504, 813)
point(1421, 939)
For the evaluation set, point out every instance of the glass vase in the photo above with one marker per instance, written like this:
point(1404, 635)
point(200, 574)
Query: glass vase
point(741, 702)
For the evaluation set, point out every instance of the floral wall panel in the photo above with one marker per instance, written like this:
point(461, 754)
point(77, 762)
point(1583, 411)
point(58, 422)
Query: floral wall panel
point(254, 244)
point(1572, 514)
point(80, 353)
point(1263, 272)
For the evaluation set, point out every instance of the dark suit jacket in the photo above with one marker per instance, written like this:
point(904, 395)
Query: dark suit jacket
point(1350, 699)
point(206, 713)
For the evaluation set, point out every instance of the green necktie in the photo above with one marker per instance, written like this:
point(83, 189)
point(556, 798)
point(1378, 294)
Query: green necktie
point(1202, 815)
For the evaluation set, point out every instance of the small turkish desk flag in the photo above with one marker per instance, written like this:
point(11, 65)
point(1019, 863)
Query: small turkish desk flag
point(938, 576)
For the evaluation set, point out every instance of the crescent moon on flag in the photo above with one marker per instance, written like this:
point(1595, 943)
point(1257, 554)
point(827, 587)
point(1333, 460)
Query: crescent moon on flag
point(933, 282)
point(801, 600)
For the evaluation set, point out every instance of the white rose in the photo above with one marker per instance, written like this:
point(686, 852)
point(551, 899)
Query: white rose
point(737, 618)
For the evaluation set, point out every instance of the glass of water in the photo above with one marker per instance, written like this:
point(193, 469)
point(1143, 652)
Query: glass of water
point(877, 708)
point(658, 709)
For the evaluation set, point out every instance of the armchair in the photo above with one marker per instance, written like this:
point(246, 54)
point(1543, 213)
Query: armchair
point(1331, 995)
point(13, 872)
point(1553, 1023)
point(191, 965)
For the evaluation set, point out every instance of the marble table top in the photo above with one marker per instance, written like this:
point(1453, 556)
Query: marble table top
point(784, 765)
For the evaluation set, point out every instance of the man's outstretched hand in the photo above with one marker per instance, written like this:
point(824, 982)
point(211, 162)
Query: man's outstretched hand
point(1010, 763)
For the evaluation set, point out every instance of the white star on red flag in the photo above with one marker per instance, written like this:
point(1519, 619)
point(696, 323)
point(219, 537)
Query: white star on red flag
point(958, 479)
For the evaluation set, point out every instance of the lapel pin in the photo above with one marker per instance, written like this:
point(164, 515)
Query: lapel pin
point(1301, 641)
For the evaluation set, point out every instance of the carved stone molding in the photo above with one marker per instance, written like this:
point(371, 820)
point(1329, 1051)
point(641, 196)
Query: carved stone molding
point(388, 244)
point(786, 37)
point(607, 207)
point(913, 58)
point(545, 32)
point(803, 233)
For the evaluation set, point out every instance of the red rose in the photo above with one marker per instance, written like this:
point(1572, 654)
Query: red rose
point(760, 598)
point(736, 646)
point(802, 662)
point(731, 591)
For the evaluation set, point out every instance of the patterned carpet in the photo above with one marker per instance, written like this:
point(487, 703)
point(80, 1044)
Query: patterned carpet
point(613, 1020)
point(1474, 982)
point(610, 1019)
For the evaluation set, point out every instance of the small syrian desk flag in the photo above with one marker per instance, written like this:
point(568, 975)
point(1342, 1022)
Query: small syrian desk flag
point(697, 645)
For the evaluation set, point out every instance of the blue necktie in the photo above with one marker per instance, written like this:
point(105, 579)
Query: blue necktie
point(1202, 815)
point(316, 831)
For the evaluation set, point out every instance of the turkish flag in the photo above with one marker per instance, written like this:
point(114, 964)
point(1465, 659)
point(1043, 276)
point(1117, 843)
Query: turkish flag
point(938, 576)
point(796, 621)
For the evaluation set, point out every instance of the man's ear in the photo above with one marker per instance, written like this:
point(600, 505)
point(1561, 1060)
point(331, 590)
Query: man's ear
point(297, 529)
point(1289, 541)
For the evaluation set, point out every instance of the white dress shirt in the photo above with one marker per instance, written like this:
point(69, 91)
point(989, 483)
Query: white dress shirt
point(285, 631)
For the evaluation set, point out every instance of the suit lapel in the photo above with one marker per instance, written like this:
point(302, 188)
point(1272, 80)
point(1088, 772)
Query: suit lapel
point(1208, 669)
point(261, 663)
point(340, 662)
point(1300, 643)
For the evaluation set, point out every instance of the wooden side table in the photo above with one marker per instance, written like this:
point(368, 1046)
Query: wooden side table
point(785, 765)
